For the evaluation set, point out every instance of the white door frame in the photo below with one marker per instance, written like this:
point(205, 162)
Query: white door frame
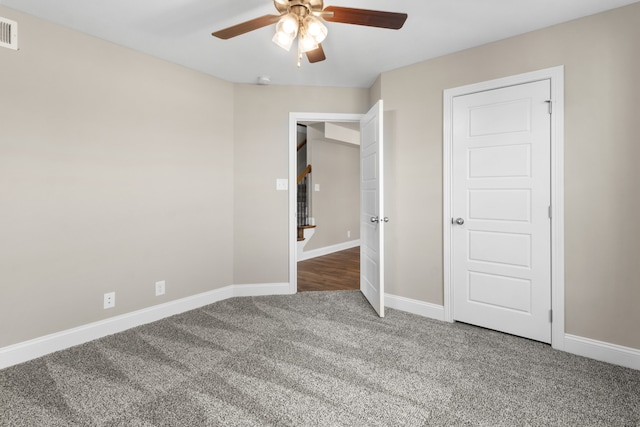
point(556, 75)
point(294, 118)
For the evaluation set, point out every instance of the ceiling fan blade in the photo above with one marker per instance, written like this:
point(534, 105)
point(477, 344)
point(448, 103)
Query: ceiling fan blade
point(370, 18)
point(316, 55)
point(246, 26)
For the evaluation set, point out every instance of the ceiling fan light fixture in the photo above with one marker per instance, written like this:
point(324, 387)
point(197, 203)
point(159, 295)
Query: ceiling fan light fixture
point(286, 31)
point(284, 40)
point(315, 28)
point(306, 42)
point(288, 24)
point(304, 19)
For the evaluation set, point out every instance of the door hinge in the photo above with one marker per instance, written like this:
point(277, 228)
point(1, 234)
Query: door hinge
point(550, 316)
point(550, 103)
point(549, 211)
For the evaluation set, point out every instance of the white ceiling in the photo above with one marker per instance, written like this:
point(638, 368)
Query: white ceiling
point(180, 31)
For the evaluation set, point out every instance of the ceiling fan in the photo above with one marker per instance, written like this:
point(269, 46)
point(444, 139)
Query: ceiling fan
point(304, 19)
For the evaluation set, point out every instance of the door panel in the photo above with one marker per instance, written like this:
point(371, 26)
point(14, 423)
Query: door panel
point(500, 117)
point(501, 190)
point(500, 291)
point(500, 248)
point(371, 206)
point(499, 205)
point(500, 162)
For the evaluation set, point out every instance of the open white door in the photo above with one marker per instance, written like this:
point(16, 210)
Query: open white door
point(372, 217)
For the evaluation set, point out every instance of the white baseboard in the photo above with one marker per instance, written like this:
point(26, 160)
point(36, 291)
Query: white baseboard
point(421, 308)
point(261, 289)
point(603, 351)
point(28, 350)
point(598, 350)
point(313, 253)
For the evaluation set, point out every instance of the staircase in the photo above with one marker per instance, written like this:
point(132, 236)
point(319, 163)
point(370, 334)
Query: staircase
point(306, 223)
point(304, 218)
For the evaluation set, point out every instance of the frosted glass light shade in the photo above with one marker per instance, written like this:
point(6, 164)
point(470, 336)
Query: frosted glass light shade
point(288, 24)
point(306, 43)
point(286, 31)
point(284, 40)
point(315, 28)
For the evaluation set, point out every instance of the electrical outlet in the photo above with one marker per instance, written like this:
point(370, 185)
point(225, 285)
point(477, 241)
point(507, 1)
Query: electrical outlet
point(160, 288)
point(348, 233)
point(109, 300)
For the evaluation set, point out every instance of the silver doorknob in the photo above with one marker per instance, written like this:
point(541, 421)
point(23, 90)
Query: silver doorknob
point(459, 221)
point(385, 219)
point(374, 219)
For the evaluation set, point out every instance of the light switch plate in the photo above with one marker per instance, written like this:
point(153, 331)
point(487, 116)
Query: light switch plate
point(316, 187)
point(282, 184)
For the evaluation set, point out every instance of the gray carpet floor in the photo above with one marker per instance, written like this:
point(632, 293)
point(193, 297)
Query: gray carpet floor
point(315, 359)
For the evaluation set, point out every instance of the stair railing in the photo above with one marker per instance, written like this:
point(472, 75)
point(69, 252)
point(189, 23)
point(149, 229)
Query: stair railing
point(304, 184)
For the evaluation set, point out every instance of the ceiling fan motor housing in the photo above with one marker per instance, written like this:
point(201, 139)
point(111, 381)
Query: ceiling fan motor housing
point(300, 7)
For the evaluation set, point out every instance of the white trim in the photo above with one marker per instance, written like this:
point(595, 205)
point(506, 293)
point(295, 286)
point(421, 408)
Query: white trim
point(557, 206)
point(556, 75)
point(314, 253)
point(27, 350)
point(261, 289)
point(413, 306)
point(586, 347)
point(605, 352)
point(447, 170)
point(294, 118)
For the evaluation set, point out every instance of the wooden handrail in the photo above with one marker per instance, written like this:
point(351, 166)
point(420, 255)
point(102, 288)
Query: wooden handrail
point(302, 144)
point(304, 173)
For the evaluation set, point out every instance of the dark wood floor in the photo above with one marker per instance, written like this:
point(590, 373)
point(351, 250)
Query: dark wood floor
point(338, 271)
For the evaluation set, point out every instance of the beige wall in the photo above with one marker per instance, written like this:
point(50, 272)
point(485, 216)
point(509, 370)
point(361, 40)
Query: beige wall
point(336, 207)
point(261, 251)
point(115, 172)
point(602, 96)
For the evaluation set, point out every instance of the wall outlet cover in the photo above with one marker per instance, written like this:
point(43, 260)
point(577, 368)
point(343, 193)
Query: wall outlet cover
point(160, 288)
point(109, 300)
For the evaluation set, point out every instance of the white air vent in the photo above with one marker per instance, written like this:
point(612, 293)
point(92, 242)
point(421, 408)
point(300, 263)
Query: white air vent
point(8, 33)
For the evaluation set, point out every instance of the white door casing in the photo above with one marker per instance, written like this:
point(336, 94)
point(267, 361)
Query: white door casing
point(501, 195)
point(372, 219)
point(374, 290)
point(294, 119)
point(493, 253)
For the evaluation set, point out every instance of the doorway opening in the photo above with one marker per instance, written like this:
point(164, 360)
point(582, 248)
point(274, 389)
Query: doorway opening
point(371, 191)
point(327, 202)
